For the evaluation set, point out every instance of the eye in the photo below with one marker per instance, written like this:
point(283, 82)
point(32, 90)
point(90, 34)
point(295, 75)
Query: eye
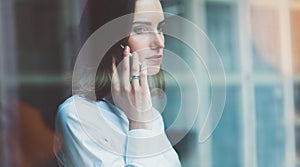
point(140, 30)
point(161, 28)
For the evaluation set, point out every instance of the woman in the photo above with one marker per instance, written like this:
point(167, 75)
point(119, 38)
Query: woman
point(121, 128)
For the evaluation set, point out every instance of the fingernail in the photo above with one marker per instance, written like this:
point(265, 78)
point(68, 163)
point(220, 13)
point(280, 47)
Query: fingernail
point(127, 49)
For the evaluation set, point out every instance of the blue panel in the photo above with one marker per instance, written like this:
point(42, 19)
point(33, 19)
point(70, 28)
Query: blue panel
point(221, 25)
point(227, 138)
point(270, 136)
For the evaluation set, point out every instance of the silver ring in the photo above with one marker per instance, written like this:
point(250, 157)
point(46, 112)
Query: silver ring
point(134, 77)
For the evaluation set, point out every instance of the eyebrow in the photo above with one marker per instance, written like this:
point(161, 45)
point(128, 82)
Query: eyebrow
point(142, 22)
point(162, 22)
point(147, 22)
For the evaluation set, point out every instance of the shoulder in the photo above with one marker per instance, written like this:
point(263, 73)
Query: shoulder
point(71, 101)
point(73, 106)
point(80, 109)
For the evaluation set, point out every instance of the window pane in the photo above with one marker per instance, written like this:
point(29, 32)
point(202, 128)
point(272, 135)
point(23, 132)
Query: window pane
point(227, 138)
point(297, 117)
point(295, 34)
point(265, 37)
point(270, 136)
point(222, 30)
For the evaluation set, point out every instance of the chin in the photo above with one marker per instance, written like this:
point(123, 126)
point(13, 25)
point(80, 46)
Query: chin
point(153, 70)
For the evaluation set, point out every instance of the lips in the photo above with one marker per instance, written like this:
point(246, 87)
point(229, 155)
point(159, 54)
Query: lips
point(155, 58)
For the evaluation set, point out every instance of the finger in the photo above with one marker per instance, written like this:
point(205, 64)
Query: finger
point(135, 71)
point(115, 77)
point(126, 69)
point(143, 75)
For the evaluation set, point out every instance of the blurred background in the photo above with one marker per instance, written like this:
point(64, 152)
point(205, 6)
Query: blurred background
point(257, 40)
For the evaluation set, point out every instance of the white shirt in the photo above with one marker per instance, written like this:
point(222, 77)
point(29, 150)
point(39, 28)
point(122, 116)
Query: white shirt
point(96, 134)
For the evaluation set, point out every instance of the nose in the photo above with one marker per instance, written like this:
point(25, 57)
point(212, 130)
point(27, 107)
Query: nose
point(158, 41)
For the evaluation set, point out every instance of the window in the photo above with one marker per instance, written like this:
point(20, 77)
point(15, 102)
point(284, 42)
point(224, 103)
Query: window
point(258, 42)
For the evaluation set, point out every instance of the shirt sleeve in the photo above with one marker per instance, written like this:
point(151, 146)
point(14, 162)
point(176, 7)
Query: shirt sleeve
point(148, 148)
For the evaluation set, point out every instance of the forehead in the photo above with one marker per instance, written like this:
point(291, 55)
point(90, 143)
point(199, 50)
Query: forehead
point(148, 10)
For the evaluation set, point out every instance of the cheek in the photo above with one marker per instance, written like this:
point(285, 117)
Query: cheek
point(138, 43)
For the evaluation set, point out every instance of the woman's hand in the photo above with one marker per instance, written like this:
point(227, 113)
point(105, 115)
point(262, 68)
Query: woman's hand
point(130, 91)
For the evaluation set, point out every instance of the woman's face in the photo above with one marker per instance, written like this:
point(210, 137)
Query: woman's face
point(146, 37)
